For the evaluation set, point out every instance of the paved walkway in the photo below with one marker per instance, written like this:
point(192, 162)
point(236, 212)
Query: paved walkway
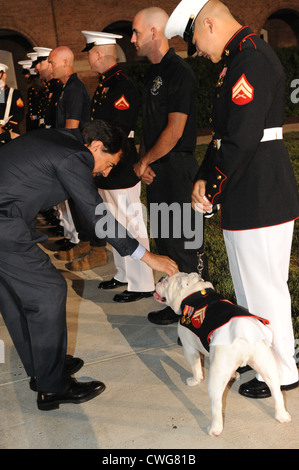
point(147, 404)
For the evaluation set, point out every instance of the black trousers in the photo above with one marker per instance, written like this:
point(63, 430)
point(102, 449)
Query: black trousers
point(33, 305)
point(173, 184)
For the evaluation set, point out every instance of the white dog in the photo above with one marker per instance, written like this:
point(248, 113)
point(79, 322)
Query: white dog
point(225, 332)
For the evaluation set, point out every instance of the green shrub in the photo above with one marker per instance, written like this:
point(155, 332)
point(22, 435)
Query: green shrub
point(207, 75)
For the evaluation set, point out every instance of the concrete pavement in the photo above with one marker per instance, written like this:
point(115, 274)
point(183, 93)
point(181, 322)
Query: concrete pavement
point(147, 404)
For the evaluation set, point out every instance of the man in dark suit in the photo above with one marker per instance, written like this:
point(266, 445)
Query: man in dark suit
point(38, 170)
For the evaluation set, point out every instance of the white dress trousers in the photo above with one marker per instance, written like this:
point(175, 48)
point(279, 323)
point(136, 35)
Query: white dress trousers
point(66, 221)
point(128, 210)
point(259, 265)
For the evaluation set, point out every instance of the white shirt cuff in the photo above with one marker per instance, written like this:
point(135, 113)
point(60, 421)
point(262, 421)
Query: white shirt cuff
point(138, 253)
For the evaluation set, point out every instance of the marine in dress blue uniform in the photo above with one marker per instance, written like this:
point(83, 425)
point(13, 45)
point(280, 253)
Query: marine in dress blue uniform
point(116, 99)
point(51, 92)
point(247, 170)
point(11, 108)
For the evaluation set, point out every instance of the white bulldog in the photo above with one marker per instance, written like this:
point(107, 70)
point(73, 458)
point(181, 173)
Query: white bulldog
point(230, 336)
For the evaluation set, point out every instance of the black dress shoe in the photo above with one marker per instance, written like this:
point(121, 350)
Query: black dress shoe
point(131, 296)
point(163, 317)
point(62, 241)
point(56, 230)
point(258, 389)
point(112, 284)
point(77, 392)
point(66, 246)
point(72, 365)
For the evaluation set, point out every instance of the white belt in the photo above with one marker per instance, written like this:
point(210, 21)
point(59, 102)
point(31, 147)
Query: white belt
point(5, 121)
point(274, 133)
point(131, 135)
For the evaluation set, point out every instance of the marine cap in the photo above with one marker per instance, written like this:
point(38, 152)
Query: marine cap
point(42, 53)
point(3, 68)
point(26, 64)
point(94, 38)
point(181, 21)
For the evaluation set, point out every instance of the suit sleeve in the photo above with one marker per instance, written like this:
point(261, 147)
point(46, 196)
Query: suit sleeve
point(74, 173)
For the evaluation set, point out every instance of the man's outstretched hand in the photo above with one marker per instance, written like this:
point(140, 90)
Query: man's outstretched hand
point(160, 263)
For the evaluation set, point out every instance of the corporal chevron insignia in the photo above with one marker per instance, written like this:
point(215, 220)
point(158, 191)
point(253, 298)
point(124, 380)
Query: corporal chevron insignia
point(242, 92)
point(122, 103)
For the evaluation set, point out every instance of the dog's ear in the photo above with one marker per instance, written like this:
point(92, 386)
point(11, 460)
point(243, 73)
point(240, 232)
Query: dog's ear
point(184, 282)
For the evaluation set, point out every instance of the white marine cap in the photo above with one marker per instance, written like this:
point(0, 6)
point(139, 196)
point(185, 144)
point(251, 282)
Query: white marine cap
point(42, 53)
point(3, 68)
point(26, 64)
point(182, 19)
point(94, 38)
point(32, 56)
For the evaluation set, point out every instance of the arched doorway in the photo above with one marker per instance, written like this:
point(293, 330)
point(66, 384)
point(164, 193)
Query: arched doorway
point(282, 28)
point(125, 29)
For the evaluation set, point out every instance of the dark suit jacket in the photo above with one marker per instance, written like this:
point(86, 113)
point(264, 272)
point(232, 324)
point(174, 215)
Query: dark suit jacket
point(42, 168)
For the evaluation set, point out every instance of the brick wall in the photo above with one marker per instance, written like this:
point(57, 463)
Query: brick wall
point(49, 23)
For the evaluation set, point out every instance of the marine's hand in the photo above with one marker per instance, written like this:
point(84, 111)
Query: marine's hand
point(199, 201)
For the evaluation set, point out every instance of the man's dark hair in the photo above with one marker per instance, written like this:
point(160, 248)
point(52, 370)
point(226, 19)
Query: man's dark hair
point(113, 137)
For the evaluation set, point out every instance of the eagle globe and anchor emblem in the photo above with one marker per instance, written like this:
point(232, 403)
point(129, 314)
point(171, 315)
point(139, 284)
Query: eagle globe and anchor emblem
point(157, 83)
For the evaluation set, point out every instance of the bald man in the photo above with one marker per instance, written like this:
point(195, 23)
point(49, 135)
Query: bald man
point(74, 105)
point(168, 164)
point(72, 110)
point(247, 170)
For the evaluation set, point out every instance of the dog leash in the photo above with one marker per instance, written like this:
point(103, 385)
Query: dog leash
point(200, 265)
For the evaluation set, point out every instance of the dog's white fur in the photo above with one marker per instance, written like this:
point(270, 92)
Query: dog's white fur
point(240, 342)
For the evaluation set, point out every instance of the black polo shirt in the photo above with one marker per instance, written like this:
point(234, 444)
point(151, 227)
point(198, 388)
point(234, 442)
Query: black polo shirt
point(170, 88)
point(74, 102)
